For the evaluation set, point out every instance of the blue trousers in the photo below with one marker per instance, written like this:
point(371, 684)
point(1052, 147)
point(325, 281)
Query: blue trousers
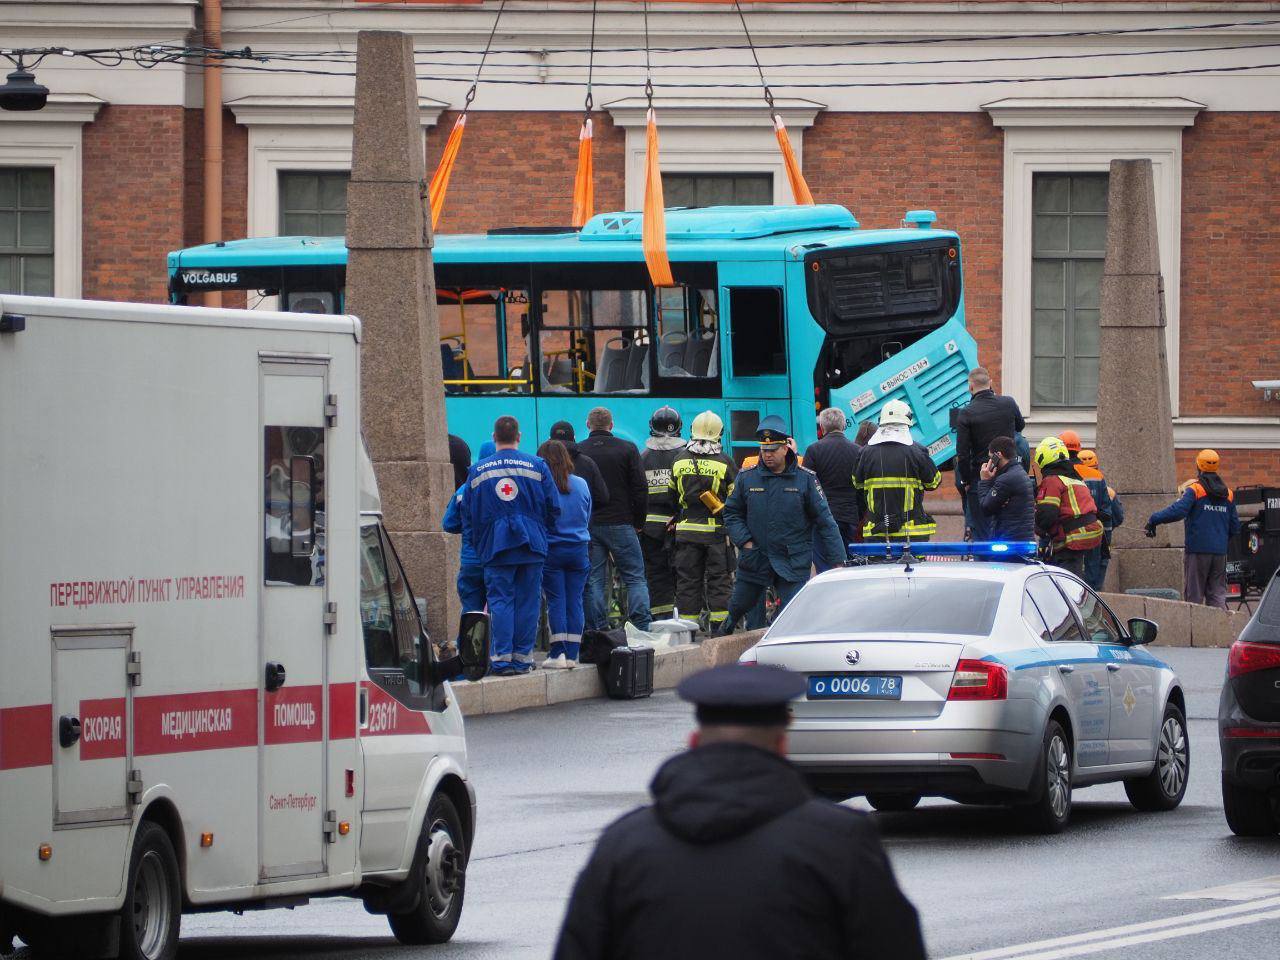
point(747, 596)
point(471, 586)
point(564, 579)
point(515, 607)
point(848, 535)
point(623, 544)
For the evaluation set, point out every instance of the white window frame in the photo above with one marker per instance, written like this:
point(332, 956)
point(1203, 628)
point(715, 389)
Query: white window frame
point(52, 138)
point(705, 136)
point(309, 134)
point(1083, 135)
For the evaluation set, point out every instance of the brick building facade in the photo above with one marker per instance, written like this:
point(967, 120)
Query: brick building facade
point(126, 150)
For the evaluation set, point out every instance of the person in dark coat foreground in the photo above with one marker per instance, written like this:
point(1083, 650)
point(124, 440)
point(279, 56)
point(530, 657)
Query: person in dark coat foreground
point(736, 858)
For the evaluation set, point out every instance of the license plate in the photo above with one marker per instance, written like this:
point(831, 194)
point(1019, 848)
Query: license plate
point(855, 686)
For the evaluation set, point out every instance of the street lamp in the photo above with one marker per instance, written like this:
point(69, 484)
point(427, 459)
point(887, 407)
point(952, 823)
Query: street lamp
point(21, 92)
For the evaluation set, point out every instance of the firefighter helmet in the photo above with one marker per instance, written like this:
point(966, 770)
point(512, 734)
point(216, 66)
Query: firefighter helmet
point(1207, 461)
point(665, 422)
point(1088, 458)
point(895, 411)
point(706, 426)
point(1050, 450)
point(1071, 440)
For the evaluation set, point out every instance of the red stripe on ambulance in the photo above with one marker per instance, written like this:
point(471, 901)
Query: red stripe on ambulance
point(294, 715)
point(342, 711)
point(102, 729)
point(26, 736)
point(389, 717)
point(186, 722)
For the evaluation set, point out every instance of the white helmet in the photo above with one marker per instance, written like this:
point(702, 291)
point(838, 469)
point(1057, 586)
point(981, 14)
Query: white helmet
point(895, 411)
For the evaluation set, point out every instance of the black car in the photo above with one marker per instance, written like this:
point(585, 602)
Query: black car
point(1249, 723)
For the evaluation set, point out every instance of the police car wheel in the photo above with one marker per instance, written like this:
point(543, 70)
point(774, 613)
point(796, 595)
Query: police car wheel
point(1164, 787)
point(441, 866)
point(1050, 806)
point(1249, 812)
point(893, 802)
point(152, 912)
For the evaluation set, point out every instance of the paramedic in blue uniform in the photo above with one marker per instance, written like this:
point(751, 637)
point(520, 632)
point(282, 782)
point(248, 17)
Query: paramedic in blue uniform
point(775, 516)
point(736, 858)
point(509, 501)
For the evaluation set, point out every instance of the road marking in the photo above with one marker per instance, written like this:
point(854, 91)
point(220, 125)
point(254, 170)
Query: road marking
point(1147, 931)
point(1244, 890)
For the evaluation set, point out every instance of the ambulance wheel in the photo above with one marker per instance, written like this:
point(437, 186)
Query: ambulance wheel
point(441, 865)
point(152, 911)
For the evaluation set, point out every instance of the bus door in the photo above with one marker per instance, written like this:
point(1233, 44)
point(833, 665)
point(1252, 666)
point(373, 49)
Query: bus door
point(753, 350)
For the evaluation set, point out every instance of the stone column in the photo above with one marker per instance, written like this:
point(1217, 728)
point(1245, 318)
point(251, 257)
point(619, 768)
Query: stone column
point(391, 288)
point(1135, 416)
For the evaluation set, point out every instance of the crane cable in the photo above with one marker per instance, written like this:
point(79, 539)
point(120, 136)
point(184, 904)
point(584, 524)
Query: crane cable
point(444, 170)
point(584, 200)
point(653, 220)
point(799, 188)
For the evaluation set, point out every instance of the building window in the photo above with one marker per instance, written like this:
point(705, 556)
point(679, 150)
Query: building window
point(717, 189)
point(1069, 242)
point(313, 204)
point(26, 231)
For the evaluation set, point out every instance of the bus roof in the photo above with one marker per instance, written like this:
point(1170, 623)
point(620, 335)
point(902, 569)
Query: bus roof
point(708, 233)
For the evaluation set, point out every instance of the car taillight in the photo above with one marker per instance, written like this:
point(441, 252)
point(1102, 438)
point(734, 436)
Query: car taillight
point(1251, 657)
point(1250, 733)
point(979, 680)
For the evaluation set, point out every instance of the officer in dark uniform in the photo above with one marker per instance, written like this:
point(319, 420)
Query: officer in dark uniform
point(736, 858)
point(772, 516)
point(660, 451)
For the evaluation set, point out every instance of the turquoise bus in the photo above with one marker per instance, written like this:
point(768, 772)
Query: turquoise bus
point(778, 310)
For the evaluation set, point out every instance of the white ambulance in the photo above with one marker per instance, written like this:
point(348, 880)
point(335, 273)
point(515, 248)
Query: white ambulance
point(215, 688)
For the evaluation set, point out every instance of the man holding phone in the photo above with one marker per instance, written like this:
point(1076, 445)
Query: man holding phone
point(1006, 496)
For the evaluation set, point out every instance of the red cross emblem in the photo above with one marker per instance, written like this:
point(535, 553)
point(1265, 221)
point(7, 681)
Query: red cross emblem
point(507, 489)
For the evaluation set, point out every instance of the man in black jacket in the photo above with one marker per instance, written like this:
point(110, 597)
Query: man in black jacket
point(736, 858)
point(834, 459)
point(987, 416)
point(616, 524)
point(583, 466)
point(1006, 495)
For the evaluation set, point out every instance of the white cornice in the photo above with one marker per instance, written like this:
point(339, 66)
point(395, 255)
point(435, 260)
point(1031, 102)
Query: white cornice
point(314, 111)
point(61, 108)
point(1093, 111)
point(1233, 433)
point(701, 112)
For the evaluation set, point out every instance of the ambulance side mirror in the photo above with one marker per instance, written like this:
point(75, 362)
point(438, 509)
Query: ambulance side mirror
point(473, 644)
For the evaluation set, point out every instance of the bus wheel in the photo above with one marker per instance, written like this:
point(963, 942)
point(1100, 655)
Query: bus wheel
point(152, 911)
point(442, 878)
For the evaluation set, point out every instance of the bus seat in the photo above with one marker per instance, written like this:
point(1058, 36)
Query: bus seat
point(637, 366)
point(449, 363)
point(611, 373)
point(697, 354)
point(671, 353)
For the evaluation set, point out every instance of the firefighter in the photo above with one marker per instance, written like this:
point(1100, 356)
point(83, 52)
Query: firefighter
point(1207, 510)
point(892, 476)
point(701, 479)
point(1066, 515)
point(660, 451)
point(1110, 512)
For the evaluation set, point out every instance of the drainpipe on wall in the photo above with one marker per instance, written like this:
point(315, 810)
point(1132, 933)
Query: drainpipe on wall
point(212, 134)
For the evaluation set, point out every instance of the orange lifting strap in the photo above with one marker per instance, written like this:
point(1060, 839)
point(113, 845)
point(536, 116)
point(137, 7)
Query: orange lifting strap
point(799, 188)
point(584, 201)
point(440, 179)
point(653, 231)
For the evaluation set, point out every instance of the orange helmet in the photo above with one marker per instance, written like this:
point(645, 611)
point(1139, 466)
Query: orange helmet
point(1088, 458)
point(1207, 461)
point(1070, 439)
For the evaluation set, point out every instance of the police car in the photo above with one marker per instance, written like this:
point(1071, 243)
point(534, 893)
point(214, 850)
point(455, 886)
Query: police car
point(998, 680)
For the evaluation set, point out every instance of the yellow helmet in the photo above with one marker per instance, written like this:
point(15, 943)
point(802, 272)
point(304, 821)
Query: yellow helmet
point(1207, 461)
point(706, 426)
point(1088, 458)
point(1050, 450)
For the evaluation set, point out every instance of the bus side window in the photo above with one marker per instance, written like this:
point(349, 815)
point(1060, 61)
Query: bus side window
point(310, 301)
point(594, 341)
point(688, 327)
point(758, 335)
point(482, 349)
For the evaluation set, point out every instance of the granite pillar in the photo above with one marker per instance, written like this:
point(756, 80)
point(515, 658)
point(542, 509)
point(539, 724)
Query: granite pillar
point(1135, 415)
point(391, 288)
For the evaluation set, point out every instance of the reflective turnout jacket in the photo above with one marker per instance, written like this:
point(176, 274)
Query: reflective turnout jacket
point(692, 475)
point(655, 460)
point(1065, 511)
point(891, 480)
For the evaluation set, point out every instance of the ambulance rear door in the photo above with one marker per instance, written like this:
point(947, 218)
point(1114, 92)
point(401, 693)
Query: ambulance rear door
point(295, 619)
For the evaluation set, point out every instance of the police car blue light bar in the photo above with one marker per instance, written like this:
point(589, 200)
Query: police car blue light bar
point(981, 550)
